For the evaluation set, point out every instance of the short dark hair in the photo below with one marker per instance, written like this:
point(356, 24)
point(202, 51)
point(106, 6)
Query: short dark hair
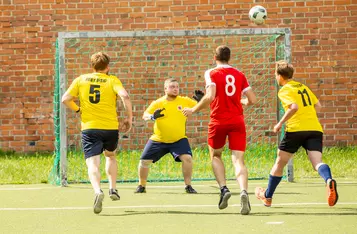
point(100, 61)
point(285, 69)
point(223, 53)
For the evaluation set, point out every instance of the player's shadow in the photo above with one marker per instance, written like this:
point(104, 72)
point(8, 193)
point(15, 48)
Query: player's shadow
point(169, 212)
point(279, 213)
point(197, 194)
point(233, 193)
point(343, 211)
point(304, 214)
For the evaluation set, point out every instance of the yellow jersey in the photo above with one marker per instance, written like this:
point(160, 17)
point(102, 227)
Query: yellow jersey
point(305, 119)
point(172, 126)
point(97, 94)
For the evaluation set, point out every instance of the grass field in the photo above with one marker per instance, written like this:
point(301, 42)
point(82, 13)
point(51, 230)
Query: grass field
point(35, 168)
point(298, 207)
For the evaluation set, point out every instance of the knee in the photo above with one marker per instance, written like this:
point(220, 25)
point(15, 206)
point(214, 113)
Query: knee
point(145, 163)
point(317, 166)
point(186, 158)
point(109, 154)
point(280, 163)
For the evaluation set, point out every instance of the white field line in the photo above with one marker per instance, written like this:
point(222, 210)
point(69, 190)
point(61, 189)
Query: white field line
point(119, 186)
point(161, 206)
point(274, 223)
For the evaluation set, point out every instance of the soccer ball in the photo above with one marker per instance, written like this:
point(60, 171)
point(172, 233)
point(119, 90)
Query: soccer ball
point(258, 14)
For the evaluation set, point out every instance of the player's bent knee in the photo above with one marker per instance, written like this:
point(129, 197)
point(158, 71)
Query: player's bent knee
point(145, 163)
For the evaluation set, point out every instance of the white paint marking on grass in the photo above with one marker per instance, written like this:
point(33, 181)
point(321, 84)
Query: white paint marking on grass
point(149, 186)
point(280, 222)
point(158, 206)
point(118, 185)
point(15, 189)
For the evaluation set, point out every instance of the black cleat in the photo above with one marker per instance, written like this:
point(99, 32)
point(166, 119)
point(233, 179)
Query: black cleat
point(223, 201)
point(113, 194)
point(140, 189)
point(189, 189)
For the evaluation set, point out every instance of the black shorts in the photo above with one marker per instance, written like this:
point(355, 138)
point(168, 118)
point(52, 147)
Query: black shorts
point(155, 150)
point(95, 141)
point(310, 140)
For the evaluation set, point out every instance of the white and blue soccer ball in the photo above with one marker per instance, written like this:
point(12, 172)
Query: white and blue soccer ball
point(258, 14)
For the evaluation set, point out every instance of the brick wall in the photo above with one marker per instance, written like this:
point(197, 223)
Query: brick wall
point(324, 52)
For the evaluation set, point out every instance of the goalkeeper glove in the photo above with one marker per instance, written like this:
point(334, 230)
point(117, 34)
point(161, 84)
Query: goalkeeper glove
point(198, 95)
point(157, 114)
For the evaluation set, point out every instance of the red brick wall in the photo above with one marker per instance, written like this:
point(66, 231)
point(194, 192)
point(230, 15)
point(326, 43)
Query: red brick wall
point(324, 52)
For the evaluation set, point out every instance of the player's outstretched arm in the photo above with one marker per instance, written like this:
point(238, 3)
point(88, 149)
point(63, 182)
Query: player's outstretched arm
point(205, 101)
point(128, 122)
point(67, 100)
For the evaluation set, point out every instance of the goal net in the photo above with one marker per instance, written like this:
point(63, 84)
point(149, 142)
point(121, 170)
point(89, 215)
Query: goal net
point(142, 61)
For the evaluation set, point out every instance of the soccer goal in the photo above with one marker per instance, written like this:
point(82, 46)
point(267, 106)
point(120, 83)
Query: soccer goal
point(143, 60)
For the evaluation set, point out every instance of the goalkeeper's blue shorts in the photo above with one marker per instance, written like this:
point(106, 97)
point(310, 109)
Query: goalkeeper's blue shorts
point(155, 150)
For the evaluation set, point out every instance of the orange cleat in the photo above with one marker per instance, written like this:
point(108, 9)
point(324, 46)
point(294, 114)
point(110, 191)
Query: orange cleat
point(332, 195)
point(260, 194)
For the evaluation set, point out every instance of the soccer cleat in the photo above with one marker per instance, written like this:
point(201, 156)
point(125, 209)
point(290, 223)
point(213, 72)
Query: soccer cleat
point(260, 194)
point(140, 189)
point(224, 197)
point(98, 202)
point(189, 189)
point(244, 202)
point(113, 194)
point(332, 195)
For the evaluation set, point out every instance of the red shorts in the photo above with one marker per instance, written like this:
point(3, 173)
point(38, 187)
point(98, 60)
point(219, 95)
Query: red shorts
point(217, 134)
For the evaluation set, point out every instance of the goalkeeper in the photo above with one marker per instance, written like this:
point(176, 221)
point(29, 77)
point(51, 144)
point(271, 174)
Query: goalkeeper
point(169, 133)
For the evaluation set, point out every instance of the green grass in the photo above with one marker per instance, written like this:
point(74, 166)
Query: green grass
point(35, 168)
point(299, 207)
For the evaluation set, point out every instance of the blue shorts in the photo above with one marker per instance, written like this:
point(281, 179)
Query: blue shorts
point(155, 150)
point(95, 141)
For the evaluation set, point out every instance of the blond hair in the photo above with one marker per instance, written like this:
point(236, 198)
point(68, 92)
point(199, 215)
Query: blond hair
point(99, 61)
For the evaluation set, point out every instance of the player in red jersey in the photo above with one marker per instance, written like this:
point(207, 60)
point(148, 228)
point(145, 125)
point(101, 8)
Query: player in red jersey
point(225, 86)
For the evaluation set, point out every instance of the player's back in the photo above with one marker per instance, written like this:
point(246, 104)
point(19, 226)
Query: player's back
point(305, 119)
point(98, 96)
point(229, 83)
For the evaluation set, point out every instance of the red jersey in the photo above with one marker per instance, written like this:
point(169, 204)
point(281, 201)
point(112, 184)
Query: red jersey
point(230, 85)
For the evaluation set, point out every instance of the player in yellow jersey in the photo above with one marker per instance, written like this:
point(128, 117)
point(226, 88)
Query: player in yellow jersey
point(302, 129)
point(97, 93)
point(169, 133)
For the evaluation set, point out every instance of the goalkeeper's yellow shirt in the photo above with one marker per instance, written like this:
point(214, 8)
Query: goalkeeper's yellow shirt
point(97, 94)
point(172, 126)
point(305, 119)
